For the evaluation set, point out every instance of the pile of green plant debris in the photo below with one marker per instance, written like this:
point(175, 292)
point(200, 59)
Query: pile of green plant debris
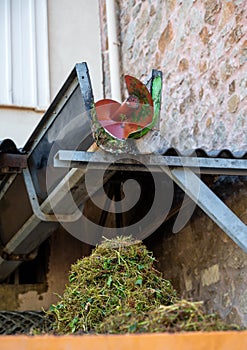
point(117, 290)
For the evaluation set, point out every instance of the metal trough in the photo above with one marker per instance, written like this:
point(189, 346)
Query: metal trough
point(64, 123)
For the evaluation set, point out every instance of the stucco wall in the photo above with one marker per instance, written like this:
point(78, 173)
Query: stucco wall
point(201, 48)
point(17, 124)
point(74, 36)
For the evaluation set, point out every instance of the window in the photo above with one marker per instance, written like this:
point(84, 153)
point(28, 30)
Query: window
point(24, 71)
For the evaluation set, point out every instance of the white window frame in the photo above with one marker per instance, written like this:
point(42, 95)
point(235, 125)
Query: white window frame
point(24, 58)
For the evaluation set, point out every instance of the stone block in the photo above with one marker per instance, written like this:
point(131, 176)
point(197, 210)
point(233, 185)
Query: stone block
point(165, 38)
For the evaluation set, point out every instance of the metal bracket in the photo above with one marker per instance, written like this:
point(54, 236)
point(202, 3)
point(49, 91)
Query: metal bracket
point(36, 207)
point(182, 171)
point(207, 200)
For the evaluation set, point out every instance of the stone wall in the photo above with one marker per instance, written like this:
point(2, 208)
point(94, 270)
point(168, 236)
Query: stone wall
point(201, 48)
point(202, 262)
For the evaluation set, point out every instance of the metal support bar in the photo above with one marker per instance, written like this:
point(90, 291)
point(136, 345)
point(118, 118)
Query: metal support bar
point(80, 159)
point(207, 200)
point(36, 207)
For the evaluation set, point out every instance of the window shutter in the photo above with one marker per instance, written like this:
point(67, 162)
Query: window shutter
point(24, 70)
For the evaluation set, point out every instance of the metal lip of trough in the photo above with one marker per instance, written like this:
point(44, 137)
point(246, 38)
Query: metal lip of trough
point(227, 340)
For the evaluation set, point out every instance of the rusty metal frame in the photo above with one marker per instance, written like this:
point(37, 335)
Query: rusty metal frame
point(12, 163)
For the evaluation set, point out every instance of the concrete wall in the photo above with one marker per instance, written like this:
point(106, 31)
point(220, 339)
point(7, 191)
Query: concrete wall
point(74, 36)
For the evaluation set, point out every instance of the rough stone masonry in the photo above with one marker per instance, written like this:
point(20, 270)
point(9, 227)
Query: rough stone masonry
point(201, 48)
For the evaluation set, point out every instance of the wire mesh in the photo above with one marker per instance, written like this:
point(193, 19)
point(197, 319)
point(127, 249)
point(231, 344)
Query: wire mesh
point(26, 322)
